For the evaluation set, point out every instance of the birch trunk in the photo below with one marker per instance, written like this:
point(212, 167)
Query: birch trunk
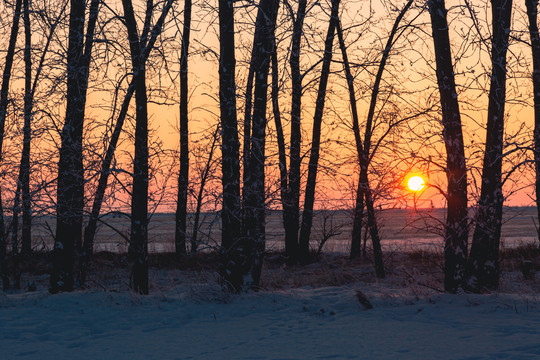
point(484, 258)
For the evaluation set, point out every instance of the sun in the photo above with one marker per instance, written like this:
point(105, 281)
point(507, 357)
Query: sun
point(416, 183)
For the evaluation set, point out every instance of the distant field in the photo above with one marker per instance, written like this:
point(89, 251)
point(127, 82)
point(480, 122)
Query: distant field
point(400, 229)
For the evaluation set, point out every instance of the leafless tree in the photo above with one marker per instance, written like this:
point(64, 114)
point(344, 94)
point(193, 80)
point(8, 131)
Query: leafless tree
point(138, 246)
point(90, 230)
point(307, 215)
point(532, 14)
point(456, 234)
point(484, 257)
point(183, 177)
point(230, 165)
point(70, 183)
point(4, 93)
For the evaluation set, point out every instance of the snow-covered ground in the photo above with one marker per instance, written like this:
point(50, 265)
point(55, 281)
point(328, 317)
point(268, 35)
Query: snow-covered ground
point(199, 321)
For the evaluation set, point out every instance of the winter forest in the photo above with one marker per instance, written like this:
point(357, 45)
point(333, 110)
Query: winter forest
point(241, 108)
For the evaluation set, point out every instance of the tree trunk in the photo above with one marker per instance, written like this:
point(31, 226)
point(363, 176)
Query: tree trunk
point(24, 171)
point(183, 177)
point(456, 234)
point(484, 257)
point(70, 186)
point(291, 203)
point(246, 256)
point(307, 216)
point(230, 165)
point(248, 107)
point(4, 93)
point(204, 178)
point(140, 48)
point(138, 245)
point(284, 188)
point(532, 14)
point(91, 226)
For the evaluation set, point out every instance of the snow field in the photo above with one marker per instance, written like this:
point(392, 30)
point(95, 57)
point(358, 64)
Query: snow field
point(199, 321)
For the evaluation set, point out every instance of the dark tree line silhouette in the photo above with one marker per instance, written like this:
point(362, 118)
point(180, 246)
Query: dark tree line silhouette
point(244, 196)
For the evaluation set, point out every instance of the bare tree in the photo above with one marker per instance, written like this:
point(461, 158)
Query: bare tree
point(291, 196)
point(365, 152)
point(23, 182)
point(456, 234)
point(138, 245)
point(254, 227)
point(230, 164)
point(484, 257)
point(181, 207)
point(70, 183)
point(91, 226)
point(4, 92)
point(205, 177)
point(307, 216)
point(532, 14)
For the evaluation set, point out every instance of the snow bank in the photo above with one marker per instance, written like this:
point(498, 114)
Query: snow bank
point(199, 321)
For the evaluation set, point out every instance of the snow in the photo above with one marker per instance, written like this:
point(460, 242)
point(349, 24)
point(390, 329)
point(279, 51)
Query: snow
point(200, 321)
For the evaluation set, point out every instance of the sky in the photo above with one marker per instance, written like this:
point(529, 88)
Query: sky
point(408, 89)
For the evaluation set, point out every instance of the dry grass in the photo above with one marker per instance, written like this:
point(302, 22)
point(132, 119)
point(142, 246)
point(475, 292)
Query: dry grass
point(419, 272)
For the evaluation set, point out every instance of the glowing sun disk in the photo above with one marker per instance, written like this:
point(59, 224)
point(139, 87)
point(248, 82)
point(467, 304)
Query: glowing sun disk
point(416, 183)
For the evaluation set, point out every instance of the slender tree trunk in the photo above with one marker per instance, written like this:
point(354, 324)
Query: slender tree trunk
point(204, 178)
point(4, 93)
point(138, 245)
point(14, 239)
point(247, 127)
point(230, 165)
point(23, 181)
point(532, 14)
point(70, 186)
point(484, 257)
point(24, 171)
point(91, 227)
point(358, 213)
point(456, 234)
point(183, 178)
point(246, 256)
point(363, 180)
point(282, 155)
point(255, 222)
point(307, 216)
point(291, 203)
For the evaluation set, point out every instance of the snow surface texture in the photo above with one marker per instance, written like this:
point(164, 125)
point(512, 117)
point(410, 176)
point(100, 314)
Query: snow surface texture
point(199, 321)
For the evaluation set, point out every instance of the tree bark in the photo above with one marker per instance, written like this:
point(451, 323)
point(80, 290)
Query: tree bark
point(230, 165)
point(4, 93)
point(484, 258)
point(246, 257)
point(139, 48)
point(532, 14)
point(307, 216)
point(291, 202)
point(183, 177)
point(255, 222)
point(24, 170)
point(456, 234)
point(70, 184)
point(138, 245)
